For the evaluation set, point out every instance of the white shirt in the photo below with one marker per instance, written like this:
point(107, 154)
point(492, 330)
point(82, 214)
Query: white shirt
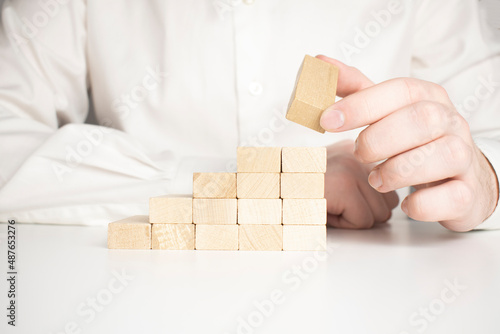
point(178, 85)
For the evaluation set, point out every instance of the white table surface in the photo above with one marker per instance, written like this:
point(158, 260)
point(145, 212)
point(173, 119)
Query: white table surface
point(371, 281)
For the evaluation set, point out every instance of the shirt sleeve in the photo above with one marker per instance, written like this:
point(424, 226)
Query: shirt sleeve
point(454, 47)
point(54, 168)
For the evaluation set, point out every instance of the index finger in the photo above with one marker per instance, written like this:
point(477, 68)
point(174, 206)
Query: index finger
point(371, 104)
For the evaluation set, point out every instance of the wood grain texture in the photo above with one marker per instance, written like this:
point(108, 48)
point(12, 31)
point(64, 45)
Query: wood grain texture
point(302, 185)
point(130, 233)
point(259, 159)
point(214, 185)
point(303, 159)
point(261, 237)
point(304, 211)
point(171, 209)
point(173, 236)
point(259, 211)
point(215, 211)
point(304, 237)
point(258, 185)
point(315, 90)
point(217, 237)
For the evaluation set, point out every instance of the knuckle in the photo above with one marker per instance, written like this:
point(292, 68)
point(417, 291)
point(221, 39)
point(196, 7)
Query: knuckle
point(461, 196)
point(456, 153)
point(392, 199)
point(429, 117)
point(383, 215)
point(366, 223)
point(414, 89)
point(460, 123)
point(439, 91)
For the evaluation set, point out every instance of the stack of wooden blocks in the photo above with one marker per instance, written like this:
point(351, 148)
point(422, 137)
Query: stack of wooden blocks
point(275, 201)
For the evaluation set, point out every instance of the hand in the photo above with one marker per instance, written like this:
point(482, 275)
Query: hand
point(427, 143)
point(352, 203)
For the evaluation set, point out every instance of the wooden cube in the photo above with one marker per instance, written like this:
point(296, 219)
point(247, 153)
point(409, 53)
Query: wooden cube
point(217, 237)
point(259, 211)
point(259, 159)
point(304, 237)
point(130, 233)
point(303, 159)
point(171, 209)
point(304, 211)
point(173, 236)
point(315, 90)
point(214, 185)
point(261, 237)
point(215, 211)
point(302, 185)
point(258, 185)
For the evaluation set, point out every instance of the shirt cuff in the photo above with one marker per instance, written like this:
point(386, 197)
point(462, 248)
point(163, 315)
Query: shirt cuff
point(491, 150)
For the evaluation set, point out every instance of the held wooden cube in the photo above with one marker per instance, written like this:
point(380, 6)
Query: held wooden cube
point(259, 159)
point(217, 237)
point(215, 211)
point(302, 185)
point(259, 211)
point(315, 90)
point(173, 236)
point(130, 233)
point(214, 185)
point(261, 237)
point(304, 211)
point(303, 159)
point(258, 185)
point(171, 209)
point(304, 237)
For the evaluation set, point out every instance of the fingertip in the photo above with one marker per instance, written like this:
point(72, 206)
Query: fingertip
point(332, 119)
point(404, 205)
point(333, 61)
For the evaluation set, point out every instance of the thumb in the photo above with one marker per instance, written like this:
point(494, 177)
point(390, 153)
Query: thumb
point(351, 79)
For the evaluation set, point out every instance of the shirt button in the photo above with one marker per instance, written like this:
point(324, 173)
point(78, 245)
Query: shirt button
point(249, 2)
point(255, 88)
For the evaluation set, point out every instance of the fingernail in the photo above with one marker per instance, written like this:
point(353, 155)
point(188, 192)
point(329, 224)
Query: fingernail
point(404, 206)
point(332, 119)
point(374, 179)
